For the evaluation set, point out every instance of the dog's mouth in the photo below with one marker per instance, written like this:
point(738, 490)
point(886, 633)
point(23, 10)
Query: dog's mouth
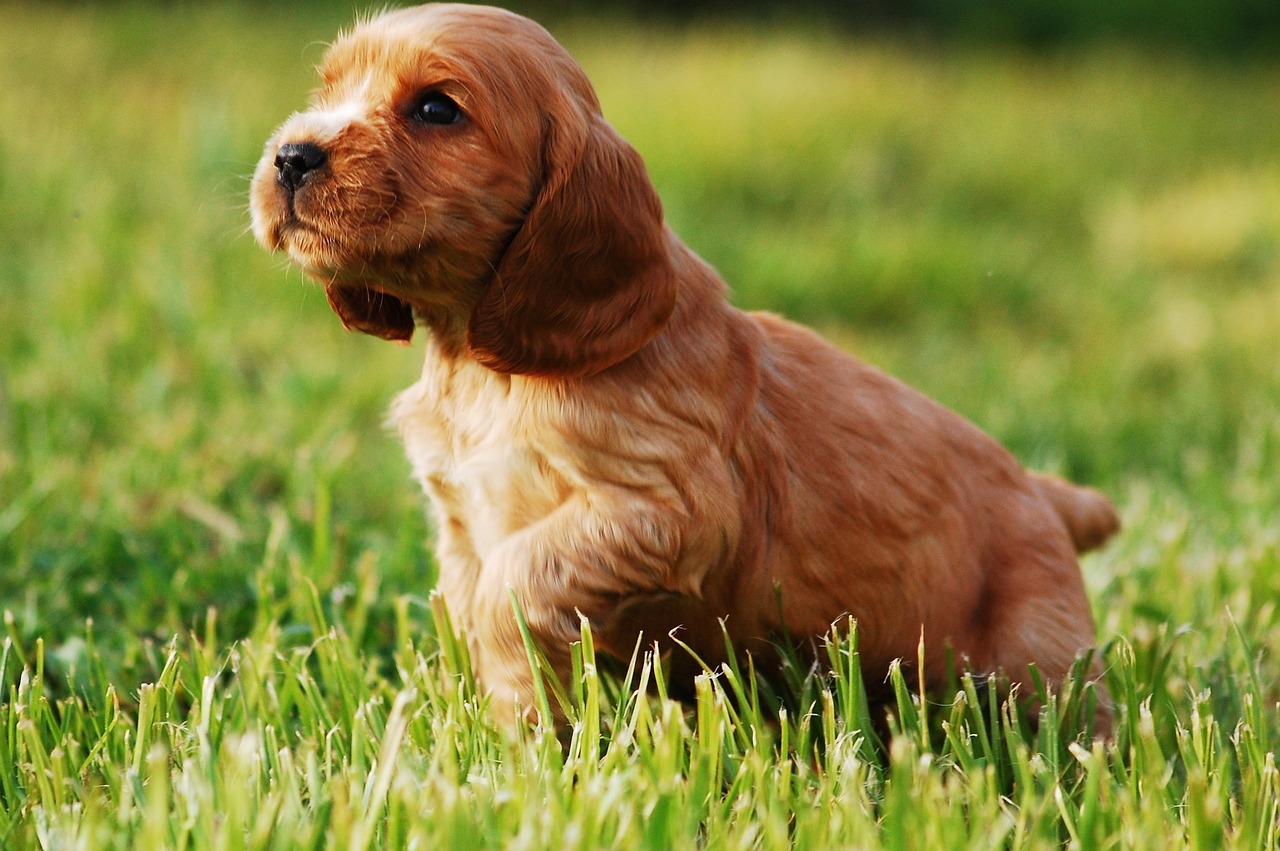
point(373, 311)
point(284, 230)
point(361, 305)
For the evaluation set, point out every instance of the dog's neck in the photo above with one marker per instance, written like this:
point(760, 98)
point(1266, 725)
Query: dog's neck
point(447, 326)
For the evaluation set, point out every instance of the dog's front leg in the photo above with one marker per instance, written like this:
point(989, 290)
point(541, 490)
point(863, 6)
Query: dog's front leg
point(583, 559)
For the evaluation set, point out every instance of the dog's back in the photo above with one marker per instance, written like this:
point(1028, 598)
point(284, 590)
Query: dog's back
point(876, 502)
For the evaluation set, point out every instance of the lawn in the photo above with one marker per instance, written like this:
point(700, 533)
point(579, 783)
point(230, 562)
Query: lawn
point(215, 571)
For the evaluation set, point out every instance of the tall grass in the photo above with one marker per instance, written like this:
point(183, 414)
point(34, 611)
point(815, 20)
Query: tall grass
point(214, 571)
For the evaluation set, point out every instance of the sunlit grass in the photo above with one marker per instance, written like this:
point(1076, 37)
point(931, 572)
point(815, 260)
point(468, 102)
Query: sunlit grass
point(1080, 252)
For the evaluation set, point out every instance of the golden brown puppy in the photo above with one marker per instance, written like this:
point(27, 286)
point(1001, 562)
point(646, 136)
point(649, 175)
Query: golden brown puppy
point(598, 429)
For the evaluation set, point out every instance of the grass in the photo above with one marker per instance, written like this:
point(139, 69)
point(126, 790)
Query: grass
point(213, 568)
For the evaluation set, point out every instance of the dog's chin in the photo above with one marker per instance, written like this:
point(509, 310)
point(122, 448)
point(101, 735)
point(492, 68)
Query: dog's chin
point(361, 304)
point(320, 255)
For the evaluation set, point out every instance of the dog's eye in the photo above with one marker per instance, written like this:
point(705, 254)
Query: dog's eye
point(437, 108)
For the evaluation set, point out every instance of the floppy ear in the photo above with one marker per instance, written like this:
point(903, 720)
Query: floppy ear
point(371, 311)
point(587, 279)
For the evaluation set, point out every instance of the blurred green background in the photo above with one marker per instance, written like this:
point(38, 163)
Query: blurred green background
point(1203, 26)
point(1050, 216)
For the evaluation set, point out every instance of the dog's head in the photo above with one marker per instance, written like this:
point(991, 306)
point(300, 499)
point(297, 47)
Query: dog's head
point(455, 163)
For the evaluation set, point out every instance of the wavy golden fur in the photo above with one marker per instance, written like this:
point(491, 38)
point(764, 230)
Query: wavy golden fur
point(599, 431)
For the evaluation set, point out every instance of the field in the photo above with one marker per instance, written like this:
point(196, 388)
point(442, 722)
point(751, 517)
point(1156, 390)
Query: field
point(215, 571)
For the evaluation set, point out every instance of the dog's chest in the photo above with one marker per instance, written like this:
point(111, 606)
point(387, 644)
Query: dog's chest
point(481, 449)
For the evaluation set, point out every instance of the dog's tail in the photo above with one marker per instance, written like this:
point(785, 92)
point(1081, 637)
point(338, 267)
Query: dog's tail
point(1089, 516)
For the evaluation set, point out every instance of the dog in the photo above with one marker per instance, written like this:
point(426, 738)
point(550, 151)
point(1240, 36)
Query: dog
point(601, 434)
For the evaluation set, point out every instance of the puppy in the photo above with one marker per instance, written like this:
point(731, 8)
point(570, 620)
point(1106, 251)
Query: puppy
point(599, 431)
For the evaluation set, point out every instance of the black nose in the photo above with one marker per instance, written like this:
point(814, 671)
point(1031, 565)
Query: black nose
point(295, 161)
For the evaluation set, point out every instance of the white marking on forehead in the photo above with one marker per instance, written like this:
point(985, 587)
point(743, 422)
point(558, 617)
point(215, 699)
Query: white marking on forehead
point(326, 124)
point(329, 123)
